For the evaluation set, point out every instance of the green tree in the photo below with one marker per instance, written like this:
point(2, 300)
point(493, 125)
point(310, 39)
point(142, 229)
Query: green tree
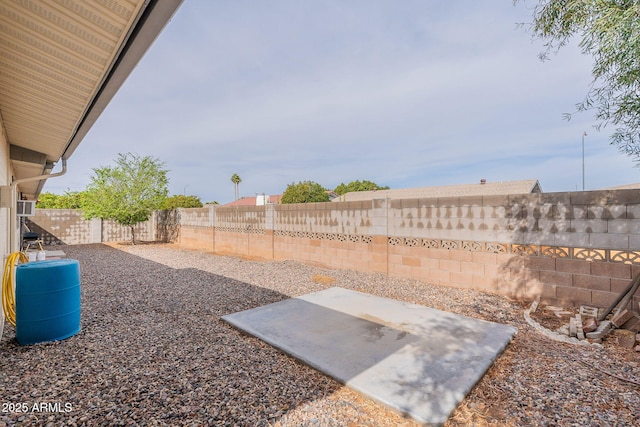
point(48, 201)
point(609, 31)
point(68, 200)
point(127, 193)
point(235, 178)
point(304, 192)
point(358, 186)
point(180, 201)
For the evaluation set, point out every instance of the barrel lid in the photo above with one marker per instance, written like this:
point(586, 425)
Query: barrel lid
point(47, 263)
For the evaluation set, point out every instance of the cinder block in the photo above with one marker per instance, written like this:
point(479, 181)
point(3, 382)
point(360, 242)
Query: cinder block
point(555, 199)
point(548, 293)
point(599, 283)
point(556, 278)
point(612, 270)
point(573, 327)
point(411, 261)
point(448, 201)
point(571, 239)
point(623, 197)
point(622, 226)
point(465, 279)
point(449, 265)
point(377, 203)
point(502, 259)
point(540, 263)
point(554, 225)
point(586, 311)
point(485, 283)
point(476, 211)
point(603, 329)
point(589, 225)
point(600, 197)
point(498, 201)
point(578, 296)
point(460, 255)
point(602, 299)
point(471, 200)
point(619, 285)
point(634, 242)
point(440, 277)
point(539, 237)
point(633, 209)
point(532, 290)
point(609, 241)
point(577, 212)
point(575, 266)
point(472, 268)
point(440, 253)
point(410, 203)
point(490, 270)
point(579, 333)
point(430, 263)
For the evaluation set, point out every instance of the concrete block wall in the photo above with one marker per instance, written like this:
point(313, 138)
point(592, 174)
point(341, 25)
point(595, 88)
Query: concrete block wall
point(569, 248)
point(68, 227)
point(114, 232)
point(197, 216)
point(197, 237)
point(241, 218)
point(64, 227)
point(349, 218)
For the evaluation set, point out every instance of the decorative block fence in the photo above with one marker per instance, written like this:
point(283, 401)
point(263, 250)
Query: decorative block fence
point(564, 248)
point(67, 227)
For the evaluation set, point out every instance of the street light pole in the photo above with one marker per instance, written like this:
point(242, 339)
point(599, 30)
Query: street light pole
point(583, 135)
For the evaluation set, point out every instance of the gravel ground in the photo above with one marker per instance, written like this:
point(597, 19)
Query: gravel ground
point(153, 351)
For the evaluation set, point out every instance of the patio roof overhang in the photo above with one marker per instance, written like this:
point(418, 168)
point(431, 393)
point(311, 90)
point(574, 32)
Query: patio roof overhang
point(61, 62)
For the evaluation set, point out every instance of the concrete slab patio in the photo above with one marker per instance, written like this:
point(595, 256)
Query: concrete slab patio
point(415, 359)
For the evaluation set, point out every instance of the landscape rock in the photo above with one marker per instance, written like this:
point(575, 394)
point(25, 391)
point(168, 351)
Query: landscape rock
point(153, 352)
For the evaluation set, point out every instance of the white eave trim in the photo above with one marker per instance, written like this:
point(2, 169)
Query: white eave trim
point(155, 15)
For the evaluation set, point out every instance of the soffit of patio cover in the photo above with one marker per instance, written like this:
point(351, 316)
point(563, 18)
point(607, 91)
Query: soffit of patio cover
point(61, 62)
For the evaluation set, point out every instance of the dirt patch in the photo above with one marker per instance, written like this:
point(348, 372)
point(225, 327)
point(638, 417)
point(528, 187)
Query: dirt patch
point(323, 280)
point(553, 317)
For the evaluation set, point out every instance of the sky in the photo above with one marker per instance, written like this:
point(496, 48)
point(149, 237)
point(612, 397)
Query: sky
point(406, 94)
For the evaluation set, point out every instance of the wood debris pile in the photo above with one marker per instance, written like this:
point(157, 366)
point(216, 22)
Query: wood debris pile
point(619, 320)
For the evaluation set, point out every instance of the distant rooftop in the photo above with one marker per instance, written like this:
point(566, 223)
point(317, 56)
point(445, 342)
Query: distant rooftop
point(635, 186)
point(255, 201)
point(482, 188)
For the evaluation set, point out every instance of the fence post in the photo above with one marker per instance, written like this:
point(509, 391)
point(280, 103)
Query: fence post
point(380, 230)
point(269, 221)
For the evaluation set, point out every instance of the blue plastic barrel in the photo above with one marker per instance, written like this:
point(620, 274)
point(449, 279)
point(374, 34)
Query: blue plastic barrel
point(47, 300)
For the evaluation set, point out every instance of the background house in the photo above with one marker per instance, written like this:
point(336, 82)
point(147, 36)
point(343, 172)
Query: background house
point(259, 200)
point(483, 188)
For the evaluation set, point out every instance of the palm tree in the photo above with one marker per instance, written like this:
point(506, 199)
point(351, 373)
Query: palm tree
point(235, 178)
